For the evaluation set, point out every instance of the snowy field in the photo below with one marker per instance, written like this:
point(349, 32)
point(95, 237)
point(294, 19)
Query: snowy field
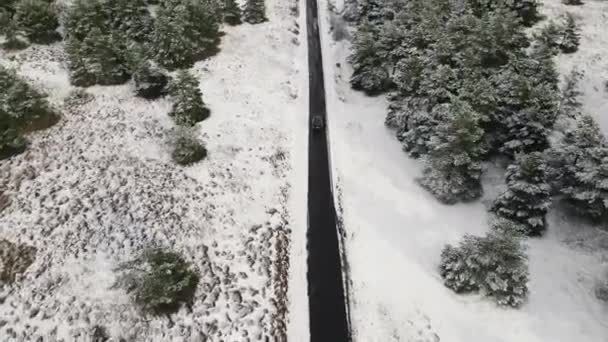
point(99, 187)
point(395, 230)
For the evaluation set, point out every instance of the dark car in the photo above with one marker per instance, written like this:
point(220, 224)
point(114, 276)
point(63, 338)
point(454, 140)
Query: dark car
point(317, 123)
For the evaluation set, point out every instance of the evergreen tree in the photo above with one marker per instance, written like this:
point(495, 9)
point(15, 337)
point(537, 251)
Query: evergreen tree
point(130, 17)
point(579, 169)
point(369, 71)
point(527, 10)
point(420, 127)
point(495, 264)
point(570, 37)
point(570, 106)
point(98, 59)
point(232, 12)
point(38, 20)
point(83, 16)
point(15, 38)
point(527, 198)
point(188, 107)
point(185, 31)
point(255, 12)
point(150, 81)
point(453, 170)
point(549, 38)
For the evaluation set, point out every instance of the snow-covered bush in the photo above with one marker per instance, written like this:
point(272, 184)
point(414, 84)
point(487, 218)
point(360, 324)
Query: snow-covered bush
point(38, 19)
point(15, 37)
point(495, 265)
point(573, 2)
point(453, 168)
point(527, 198)
point(11, 142)
point(570, 39)
point(14, 260)
point(159, 281)
point(187, 149)
point(254, 11)
point(232, 12)
point(188, 107)
point(130, 17)
point(150, 81)
point(601, 291)
point(185, 31)
point(578, 169)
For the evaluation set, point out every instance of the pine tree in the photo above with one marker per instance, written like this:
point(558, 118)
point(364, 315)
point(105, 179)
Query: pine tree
point(570, 105)
point(130, 17)
point(527, 10)
point(579, 169)
point(527, 198)
point(570, 37)
point(420, 128)
point(495, 264)
point(150, 81)
point(255, 12)
point(188, 107)
point(453, 168)
point(38, 20)
point(185, 31)
point(369, 71)
point(15, 38)
point(83, 16)
point(232, 12)
point(98, 59)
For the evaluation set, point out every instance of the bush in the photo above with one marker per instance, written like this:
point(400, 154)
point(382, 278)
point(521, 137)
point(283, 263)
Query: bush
point(188, 107)
point(187, 149)
point(150, 81)
point(159, 281)
point(495, 265)
point(38, 20)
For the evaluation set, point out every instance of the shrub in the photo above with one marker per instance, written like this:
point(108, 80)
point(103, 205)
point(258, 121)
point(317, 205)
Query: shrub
point(187, 149)
point(188, 107)
point(495, 264)
point(159, 281)
point(150, 81)
point(255, 11)
point(38, 20)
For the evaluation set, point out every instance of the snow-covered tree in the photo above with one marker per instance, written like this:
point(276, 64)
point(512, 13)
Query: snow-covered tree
point(416, 133)
point(370, 73)
point(37, 19)
point(453, 168)
point(150, 81)
point(579, 169)
point(570, 105)
point(549, 37)
point(232, 12)
point(570, 39)
point(527, 198)
point(185, 31)
point(255, 11)
point(98, 59)
point(82, 16)
point(188, 107)
point(527, 10)
point(22, 108)
point(130, 17)
point(495, 264)
point(187, 149)
point(15, 37)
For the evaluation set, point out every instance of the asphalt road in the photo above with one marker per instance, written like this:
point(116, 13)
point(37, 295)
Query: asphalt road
point(328, 320)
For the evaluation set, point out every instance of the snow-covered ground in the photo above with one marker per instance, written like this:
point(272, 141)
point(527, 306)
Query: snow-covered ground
point(97, 188)
point(395, 230)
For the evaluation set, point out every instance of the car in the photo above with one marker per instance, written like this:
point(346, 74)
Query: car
point(317, 123)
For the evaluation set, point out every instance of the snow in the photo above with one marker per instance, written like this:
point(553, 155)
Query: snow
point(395, 232)
point(99, 187)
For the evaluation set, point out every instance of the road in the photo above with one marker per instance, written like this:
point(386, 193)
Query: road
point(327, 305)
